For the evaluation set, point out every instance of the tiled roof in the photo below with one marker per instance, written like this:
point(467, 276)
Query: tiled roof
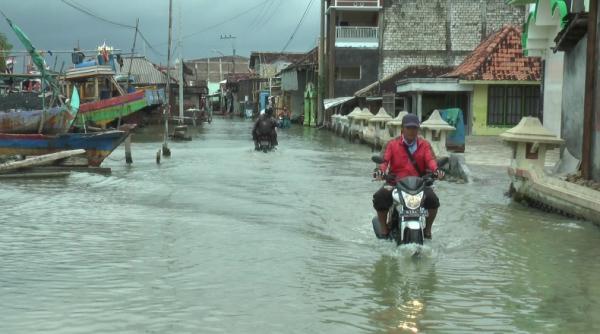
point(500, 57)
point(388, 84)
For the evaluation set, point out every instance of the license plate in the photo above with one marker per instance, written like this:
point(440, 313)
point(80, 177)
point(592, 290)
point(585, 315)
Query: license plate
point(411, 213)
point(264, 143)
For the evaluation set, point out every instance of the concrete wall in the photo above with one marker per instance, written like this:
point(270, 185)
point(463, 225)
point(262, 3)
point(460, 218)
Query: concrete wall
point(439, 32)
point(479, 108)
point(573, 95)
point(368, 59)
point(553, 88)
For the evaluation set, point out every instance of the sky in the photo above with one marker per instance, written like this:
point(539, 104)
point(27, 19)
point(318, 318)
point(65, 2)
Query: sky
point(258, 25)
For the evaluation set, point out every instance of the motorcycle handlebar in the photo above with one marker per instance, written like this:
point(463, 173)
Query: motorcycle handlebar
point(391, 178)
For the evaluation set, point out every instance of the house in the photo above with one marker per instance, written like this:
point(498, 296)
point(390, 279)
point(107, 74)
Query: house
point(353, 44)
point(506, 83)
point(297, 80)
point(371, 40)
point(495, 86)
point(269, 64)
point(382, 93)
point(215, 69)
point(193, 89)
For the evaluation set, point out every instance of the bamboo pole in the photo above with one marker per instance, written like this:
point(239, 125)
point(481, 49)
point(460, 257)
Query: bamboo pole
point(39, 160)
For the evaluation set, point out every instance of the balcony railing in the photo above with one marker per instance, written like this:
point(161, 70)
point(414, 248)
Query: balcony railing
point(357, 37)
point(357, 3)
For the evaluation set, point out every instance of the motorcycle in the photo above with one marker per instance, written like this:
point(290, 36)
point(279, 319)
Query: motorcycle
point(408, 215)
point(264, 143)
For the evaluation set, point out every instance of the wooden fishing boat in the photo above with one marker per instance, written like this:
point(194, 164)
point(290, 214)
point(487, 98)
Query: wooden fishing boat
point(97, 146)
point(103, 100)
point(56, 119)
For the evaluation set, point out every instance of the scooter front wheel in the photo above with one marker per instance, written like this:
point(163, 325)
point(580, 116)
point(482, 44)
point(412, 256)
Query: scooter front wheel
point(413, 236)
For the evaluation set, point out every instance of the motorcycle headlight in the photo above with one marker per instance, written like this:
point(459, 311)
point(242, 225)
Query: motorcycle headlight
point(412, 201)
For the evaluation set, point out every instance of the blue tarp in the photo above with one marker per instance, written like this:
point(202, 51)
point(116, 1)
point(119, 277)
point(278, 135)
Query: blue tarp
point(263, 100)
point(455, 117)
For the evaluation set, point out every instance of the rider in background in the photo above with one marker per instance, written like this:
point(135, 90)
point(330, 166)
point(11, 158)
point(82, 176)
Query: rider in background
point(265, 126)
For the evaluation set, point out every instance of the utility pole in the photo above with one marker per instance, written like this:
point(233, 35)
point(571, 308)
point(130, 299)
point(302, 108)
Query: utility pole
point(232, 38)
point(321, 77)
point(208, 70)
point(137, 23)
point(590, 87)
point(220, 70)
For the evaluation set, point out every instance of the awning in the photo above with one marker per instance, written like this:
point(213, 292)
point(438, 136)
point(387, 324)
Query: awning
point(330, 103)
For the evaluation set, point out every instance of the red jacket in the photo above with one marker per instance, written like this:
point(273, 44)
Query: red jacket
point(396, 157)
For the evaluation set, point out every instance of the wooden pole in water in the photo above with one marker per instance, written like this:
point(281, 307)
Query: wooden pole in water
point(167, 111)
point(128, 158)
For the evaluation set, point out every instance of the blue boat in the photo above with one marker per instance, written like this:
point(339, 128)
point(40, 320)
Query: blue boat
point(97, 146)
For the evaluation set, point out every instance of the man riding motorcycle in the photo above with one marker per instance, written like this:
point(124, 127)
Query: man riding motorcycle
point(407, 155)
point(265, 126)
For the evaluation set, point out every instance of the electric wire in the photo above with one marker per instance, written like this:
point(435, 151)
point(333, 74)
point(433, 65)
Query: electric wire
point(122, 25)
point(298, 25)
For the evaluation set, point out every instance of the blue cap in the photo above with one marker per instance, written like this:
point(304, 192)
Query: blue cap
point(411, 121)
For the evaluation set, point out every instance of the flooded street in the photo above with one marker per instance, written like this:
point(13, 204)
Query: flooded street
point(221, 239)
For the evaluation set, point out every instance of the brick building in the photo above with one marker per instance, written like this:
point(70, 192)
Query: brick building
point(373, 39)
point(439, 32)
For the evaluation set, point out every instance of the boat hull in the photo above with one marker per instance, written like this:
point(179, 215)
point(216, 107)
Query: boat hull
point(97, 146)
point(105, 111)
point(56, 120)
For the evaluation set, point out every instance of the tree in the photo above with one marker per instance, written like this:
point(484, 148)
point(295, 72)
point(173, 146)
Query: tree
point(4, 47)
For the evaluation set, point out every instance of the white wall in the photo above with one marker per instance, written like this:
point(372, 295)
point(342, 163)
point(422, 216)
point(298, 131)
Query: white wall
point(553, 89)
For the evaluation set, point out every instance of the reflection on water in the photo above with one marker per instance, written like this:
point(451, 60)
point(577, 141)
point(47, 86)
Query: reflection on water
point(220, 238)
point(403, 285)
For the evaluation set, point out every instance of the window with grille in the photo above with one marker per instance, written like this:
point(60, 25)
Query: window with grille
point(508, 104)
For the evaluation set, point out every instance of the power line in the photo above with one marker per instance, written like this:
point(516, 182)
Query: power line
point(122, 25)
point(205, 29)
point(274, 11)
point(255, 23)
point(76, 7)
point(298, 26)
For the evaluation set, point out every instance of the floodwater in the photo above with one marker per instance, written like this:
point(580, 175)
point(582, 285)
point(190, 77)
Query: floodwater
point(221, 239)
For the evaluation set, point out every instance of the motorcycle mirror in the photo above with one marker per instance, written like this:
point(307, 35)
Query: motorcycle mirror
point(376, 158)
